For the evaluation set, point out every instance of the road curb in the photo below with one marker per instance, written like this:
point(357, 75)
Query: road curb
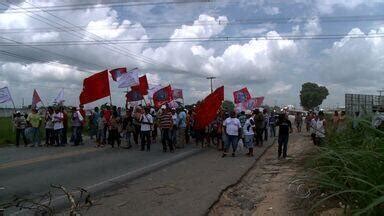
point(61, 202)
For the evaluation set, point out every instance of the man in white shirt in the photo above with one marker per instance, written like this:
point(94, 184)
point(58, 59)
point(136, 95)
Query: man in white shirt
point(58, 126)
point(146, 127)
point(249, 133)
point(232, 129)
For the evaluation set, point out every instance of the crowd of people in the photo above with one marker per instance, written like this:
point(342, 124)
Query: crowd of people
point(174, 128)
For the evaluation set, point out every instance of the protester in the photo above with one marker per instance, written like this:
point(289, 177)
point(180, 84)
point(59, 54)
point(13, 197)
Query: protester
point(232, 128)
point(298, 121)
point(146, 127)
point(188, 128)
point(314, 118)
point(175, 124)
point(77, 120)
point(182, 123)
point(136, 125)
point(242, 118)
point(165, 125)
point(93, 122)
point(113, 130)
point(155, 124)
point(128, 127)
point(20, 123)
point(320, 129)
point(58, 126)
point(308, 120)
point(265, 126)
point(272, 124)
point(101, 125)
point(248, 131)
point(49, 131)
point(35, 120)
point(65, 124)
point(285, 127)
point(259, 126)
point(217, 127)
point(83, 123)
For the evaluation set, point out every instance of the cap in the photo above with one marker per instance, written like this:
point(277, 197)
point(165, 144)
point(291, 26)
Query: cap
point(163, 107)
point(248, 112)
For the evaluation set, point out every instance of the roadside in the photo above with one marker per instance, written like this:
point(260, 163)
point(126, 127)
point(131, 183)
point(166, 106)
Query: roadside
point(188, 187)
point(269, 187)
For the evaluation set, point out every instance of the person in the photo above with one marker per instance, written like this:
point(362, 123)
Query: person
point(35, 120)
point(242, 118)
point(58, 127)
point(312, 130)
point(128, 127)
point(146, 127)
point(308, 119)
point(65, 124)
point(113, 130)
point(101, 124)
point(83, 123)
point(232, 128)
point(93, 122)
point(165, 125)
point(259, 126)
point(49, 131)
point(136, 125)
point(248, 131)
point(175, 125)
point(182, 125)
point(335, 120)
point(77, 120)
point(342, 121)
point(298, 121)
point(272, 124)
point(20, 123)
point(107, 113)
point(217, 126)
point(320, 129)
point(155, 123)
point(285, 128)
point(266, 120)
point(188, 122)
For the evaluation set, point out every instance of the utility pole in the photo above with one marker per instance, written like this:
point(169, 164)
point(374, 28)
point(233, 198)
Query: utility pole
point(211, 78)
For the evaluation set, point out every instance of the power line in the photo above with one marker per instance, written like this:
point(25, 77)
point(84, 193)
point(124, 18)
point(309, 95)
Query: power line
point(360, 18)
point(107, 5)
point(207, 39)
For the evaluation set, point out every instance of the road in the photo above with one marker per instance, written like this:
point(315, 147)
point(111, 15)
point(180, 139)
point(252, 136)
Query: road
point(29, 172)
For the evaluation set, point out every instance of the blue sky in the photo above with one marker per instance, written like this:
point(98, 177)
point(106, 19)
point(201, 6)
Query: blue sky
point(271, 68)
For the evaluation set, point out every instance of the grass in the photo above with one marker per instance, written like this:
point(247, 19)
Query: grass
point(349, 169)
point(7, 133)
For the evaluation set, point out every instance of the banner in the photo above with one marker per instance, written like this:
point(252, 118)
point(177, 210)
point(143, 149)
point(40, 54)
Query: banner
point(134, 96)
point(59, 98)
point(129, 79)
point(117, 73)
point(5, 95)
point(241, 95)
point(250, 104)
point(177, 93)
point(143, 85)
point(152, 89)
point(95, 87)
point(207, 110)
point(162, 96)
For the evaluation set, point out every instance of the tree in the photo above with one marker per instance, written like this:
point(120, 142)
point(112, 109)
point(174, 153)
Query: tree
point(312, 95)
point(227, 106)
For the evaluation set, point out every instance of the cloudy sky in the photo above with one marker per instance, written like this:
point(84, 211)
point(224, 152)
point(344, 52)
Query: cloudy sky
point(271, 47)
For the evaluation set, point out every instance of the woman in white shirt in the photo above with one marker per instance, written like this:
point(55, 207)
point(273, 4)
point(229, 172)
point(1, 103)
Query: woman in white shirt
point(248, 132)
point(232, 129)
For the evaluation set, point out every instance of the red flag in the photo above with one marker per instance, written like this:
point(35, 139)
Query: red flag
point(241, 95)
point(206, 111)
point(95, 87)
point(35, 98)
point(143, 85)
point(250, 104)
point(177, 93)
point(116, 73)
point(162, 96)
point(134, 95)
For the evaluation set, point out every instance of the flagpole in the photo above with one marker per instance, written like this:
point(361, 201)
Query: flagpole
point(14, 107)
point(110, 99)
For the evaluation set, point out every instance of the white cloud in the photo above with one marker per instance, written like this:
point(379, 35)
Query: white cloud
point(279, 88)
point(271, 10)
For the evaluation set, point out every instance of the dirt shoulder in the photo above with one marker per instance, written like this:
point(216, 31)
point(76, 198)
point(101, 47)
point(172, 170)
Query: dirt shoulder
point(269, 187)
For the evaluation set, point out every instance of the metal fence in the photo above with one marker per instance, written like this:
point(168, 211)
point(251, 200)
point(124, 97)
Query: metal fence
point(365, 104)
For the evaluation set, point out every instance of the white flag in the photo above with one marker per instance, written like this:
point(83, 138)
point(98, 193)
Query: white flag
point(129, 79)
point(59, 98)
point(5, 95)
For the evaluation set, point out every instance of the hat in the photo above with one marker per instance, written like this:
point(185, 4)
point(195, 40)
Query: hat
point(248, 112)
point(163, 107)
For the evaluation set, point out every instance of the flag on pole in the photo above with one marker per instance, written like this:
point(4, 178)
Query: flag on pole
point(162, 96)
point(152, 89)
point(35, 98)
point(117, 73)
point(95, 87)
point(59, 98)
point(206, 111)
point(177, 93)
point(5, 95)
point(143, 85)
point(134, 95)
point(241, 95)
point(129, 79)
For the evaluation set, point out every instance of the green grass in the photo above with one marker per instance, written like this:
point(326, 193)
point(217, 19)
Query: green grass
point(7, 134)
point(349, 169)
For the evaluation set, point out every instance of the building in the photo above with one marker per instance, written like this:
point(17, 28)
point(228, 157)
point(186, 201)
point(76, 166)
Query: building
point(365, 104)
